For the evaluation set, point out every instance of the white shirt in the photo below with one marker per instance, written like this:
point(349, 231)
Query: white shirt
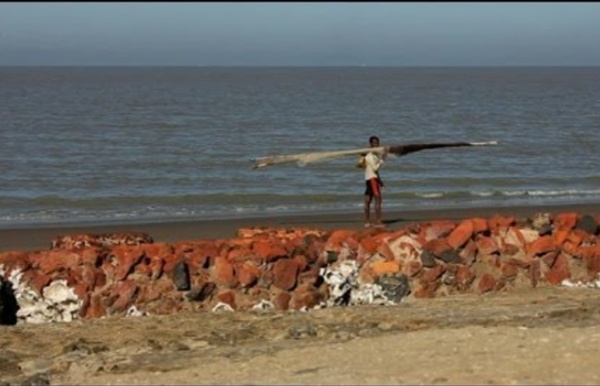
point(372, 164)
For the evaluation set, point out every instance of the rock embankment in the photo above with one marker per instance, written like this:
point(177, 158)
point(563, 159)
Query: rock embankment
point(92, 276)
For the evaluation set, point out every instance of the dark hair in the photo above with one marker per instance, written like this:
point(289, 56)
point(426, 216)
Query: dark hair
point(373, 138)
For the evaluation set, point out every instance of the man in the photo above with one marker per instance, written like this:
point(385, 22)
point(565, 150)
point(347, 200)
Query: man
point(373, 184)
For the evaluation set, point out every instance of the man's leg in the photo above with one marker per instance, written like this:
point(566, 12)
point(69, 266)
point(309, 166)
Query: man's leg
point(378, 200)
point(376, 189)
point(367, 209)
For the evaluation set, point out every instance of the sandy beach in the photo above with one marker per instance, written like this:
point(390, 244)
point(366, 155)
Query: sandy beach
point(530, 336)
point(39, 237)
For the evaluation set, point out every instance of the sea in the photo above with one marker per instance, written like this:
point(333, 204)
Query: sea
point(131, 144)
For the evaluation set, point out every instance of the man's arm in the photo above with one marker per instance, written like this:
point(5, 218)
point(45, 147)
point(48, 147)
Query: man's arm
point(373, 163)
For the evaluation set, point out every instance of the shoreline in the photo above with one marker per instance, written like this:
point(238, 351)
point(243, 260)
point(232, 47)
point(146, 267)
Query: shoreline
point(38, 237)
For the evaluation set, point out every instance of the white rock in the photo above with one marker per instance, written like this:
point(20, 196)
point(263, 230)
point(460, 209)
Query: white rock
point(135, 312)
point(579, 284)
point(568, 283)
point(263, 305)
point(411, 251)
point(530, 235)
point(57, 304)
point(344, 287)
point(220, 306)
point(59, 292)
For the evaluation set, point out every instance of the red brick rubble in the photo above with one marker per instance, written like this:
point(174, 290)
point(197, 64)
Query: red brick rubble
point(439, 258)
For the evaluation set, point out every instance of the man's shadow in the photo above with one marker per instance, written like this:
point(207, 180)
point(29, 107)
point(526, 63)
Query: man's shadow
point(387, 222)
point(393, 221)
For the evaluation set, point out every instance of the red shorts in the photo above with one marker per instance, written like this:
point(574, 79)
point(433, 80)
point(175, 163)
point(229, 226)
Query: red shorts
point(373, 187)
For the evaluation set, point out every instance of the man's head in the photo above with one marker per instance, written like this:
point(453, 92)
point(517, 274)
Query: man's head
point(374, 141)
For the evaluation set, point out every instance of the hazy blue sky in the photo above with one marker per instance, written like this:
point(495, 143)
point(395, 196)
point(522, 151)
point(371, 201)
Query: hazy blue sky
point(396, 34)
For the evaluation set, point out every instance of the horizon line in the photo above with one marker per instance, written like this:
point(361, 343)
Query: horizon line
point(304, 65)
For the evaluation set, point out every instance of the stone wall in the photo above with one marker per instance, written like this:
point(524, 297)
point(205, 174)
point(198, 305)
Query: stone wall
point(299, 268)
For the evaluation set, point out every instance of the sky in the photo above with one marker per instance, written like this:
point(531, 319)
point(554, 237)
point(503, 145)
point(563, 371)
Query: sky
point(299, 34)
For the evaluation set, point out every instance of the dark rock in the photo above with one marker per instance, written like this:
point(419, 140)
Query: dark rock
point(302, 331)
point(1, 303)
point(8, 304)
point(346, 292)
point(545, 230)
point(450, 256)
point(181, 276)
point(201, 293)
point(427, 259)
point(332, 257)
point(394, 286)
point(588, 224)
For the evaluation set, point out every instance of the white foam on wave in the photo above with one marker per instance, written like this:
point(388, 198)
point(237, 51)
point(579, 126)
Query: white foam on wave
point(430, 195)
point(515, 193)
point(482, 194)
point(567, 192)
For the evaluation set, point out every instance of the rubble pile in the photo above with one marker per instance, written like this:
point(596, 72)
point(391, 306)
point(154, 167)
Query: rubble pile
point(297, 268)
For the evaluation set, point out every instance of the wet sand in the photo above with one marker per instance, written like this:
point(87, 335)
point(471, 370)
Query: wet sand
point(39, 237)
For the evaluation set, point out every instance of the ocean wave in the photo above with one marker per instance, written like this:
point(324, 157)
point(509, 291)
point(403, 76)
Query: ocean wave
point(271, 200)
point(56, 209)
